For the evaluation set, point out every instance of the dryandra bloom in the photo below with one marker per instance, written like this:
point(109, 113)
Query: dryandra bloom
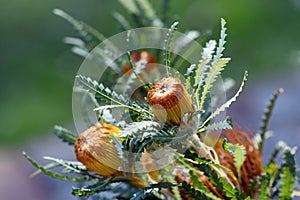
point(169, 100)
point(97, 152)
point(138, 58)
point(252, 166)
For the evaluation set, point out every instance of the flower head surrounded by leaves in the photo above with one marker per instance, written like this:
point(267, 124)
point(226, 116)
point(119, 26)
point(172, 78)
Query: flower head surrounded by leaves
point(176, 116)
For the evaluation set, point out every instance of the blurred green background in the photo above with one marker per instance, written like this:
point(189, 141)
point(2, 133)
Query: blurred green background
point(37, 70)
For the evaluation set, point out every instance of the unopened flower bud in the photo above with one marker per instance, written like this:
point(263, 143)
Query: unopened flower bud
point(97, 152)
point(169, 100)
point(138, 58)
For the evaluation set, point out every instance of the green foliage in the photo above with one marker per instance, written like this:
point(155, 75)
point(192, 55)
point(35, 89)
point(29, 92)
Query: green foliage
point(89, 35)
point(167, 46)
point(71, 165)
point(88, 190)
point(144, 137)
point(226, 104)
point(106, 95)
point(148, 128)
point(288, 175)
point(142, 12)
point(239, 155)
point(281, 146)
point(141, 132)
point(65, 135)
point(263, 187)
point(216, 175)
point(221, 125)
point(266, 118)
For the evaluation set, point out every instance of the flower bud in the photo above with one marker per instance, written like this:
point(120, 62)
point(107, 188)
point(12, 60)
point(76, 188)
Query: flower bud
point(169, 100)
point(97, 152)
point(138, 58)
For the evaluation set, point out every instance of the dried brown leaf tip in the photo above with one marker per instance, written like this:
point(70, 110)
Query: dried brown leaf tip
point(97, 152)
point(169, 100)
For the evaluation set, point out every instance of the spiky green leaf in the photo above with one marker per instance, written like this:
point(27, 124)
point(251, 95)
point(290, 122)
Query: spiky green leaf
point(65, 135)
point(263, 188)
point(227, 103)
point(266, 117)
point(167, 46)
point(55, 175)
point(88, 190)
point(111, 96)
point(288, 175)
point(222, 41)
point(215, 70)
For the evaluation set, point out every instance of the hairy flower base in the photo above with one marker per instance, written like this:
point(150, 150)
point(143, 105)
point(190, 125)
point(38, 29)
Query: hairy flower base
point(97, 152)
point(169, 100)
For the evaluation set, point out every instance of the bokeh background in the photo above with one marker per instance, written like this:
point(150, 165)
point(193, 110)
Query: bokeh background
point(37, 71)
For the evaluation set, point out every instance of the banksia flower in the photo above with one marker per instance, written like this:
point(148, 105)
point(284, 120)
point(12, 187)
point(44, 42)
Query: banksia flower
point(96, 151)
point(252, 165)
point(138, 58)
point(169, 100)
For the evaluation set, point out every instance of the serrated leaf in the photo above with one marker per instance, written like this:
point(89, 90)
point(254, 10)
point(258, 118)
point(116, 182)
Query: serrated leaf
point(203, 66)
point(167, 46)
point(238, 152)
point(221, 125)
point(65, 135)
point(215, 70)
point(288, 176)
point(281, 146)
point(146, 128)
point(263, 188)
point(136, 76)
point(84, 30)
point(239, 157)
point(52, 174)
point(222, 41)
point(266, 118)
point(226, 104)
point(111, 96)
point(88, 190)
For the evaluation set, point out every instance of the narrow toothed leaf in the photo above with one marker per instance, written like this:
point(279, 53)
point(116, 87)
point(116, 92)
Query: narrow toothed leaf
point(228, 103)
point(266, 118)
point(64, 134)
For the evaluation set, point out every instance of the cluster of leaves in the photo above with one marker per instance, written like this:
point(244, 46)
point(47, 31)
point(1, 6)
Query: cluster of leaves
point(141, 130)
point(278, 180)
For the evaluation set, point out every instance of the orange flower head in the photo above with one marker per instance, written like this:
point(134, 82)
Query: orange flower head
point(96, 151)
point(252, 166)
point(169, 100)
point(138, 58)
